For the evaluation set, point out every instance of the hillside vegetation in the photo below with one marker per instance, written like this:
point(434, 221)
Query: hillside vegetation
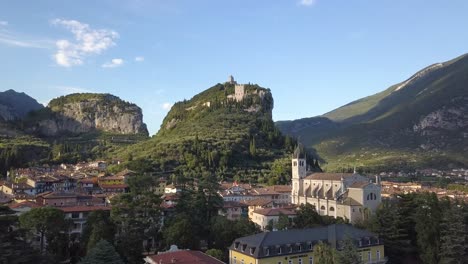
point(211, 134)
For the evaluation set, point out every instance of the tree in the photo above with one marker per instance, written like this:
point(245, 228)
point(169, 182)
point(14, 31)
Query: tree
point(98, 227)
point(50, 224)
point(283, 222)
point(388, 224)
point(216, 253)
point(181, 233)
point(13, 247)
point(137, 219)
point(307, 217)
point(453, 248)
point(324, 254)
point(102, 253)
point(427, 217)
point(348, 253)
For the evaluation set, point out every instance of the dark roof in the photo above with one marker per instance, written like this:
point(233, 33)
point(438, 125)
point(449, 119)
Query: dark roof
point(184, 257)
point(273, 240)
point(328, 176)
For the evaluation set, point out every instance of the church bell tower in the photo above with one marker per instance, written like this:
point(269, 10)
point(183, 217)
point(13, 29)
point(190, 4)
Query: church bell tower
point(299, 171)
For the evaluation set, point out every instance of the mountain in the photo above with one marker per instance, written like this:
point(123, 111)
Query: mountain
point(226, 130)
point(14, 105)
point(418, 123)
point(71, 128)
point(85, 113)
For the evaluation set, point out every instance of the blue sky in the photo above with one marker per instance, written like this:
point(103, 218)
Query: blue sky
point(313, 55)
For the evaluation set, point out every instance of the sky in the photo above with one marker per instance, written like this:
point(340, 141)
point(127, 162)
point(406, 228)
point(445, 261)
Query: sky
point(314, 55)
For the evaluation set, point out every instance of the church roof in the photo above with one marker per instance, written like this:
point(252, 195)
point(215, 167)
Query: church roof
point(328, 176)
point(299, 152)
point(359, 185)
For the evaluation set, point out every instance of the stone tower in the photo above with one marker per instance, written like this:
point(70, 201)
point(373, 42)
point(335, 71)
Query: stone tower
point(231, 80)
point(239, 92)
point(299, 171)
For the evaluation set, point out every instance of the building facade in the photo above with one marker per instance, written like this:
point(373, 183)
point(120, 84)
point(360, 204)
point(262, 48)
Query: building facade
point(296, 246)
point(347, 195)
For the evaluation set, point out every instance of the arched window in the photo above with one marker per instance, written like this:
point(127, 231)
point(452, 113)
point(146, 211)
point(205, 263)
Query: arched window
point(371, 196)
point(322, 207)
point(332, 209)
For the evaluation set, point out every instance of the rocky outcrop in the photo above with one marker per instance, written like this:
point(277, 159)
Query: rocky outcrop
point(82, 113)
point(451, 118)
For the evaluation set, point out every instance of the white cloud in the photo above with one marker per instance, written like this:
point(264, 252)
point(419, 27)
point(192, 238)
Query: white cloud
point(166, 106)
point(114, 63)
point(139, 59)
point(87, 41)
point(13, 39)
point(3, 23)
point(307, 2)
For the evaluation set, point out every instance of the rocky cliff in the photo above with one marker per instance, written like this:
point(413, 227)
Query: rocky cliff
point(83, 113)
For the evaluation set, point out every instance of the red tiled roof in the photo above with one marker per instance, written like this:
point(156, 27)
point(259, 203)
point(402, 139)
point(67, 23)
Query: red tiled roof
point(113, 186)
point(328, 176)
point(257, 202)
point(84, 208)
point(231, 204)
point(184, 257)
point(25, 204)
point(274, 211)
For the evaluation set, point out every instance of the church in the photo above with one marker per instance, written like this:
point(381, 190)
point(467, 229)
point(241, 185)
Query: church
point(350, 196)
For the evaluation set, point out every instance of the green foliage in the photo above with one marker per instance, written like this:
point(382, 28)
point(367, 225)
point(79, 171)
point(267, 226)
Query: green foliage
point(348, 253)
point(98, 227)
point(102, 253)
point(50, 224)
point(216, 253)
point(136, 216)
point(284, 223)
point(454, 235)
point(13, 246)
point(420, 227)
point(307, 217)
point(234, 140)
point(324, 254)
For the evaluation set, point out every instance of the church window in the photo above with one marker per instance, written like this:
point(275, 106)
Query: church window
point(332, 209)
point(295, 163)
point(322, 207)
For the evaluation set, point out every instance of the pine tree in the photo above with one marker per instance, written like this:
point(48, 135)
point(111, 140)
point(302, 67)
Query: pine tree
point(453, 236)
point(102, 253)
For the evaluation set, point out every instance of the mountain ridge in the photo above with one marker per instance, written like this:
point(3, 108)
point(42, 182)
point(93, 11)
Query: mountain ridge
point(387, 125)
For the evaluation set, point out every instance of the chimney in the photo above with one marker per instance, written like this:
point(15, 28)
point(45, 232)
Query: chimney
point(377, 179)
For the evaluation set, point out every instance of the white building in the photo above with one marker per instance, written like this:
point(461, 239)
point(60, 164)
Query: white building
point(346, 195)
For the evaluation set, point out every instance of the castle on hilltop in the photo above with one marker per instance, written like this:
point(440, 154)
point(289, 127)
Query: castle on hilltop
point(239, 90)
point(346, 195)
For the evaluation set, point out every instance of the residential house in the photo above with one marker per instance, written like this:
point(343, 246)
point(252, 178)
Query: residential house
point(269, 216)
point(234, 210)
